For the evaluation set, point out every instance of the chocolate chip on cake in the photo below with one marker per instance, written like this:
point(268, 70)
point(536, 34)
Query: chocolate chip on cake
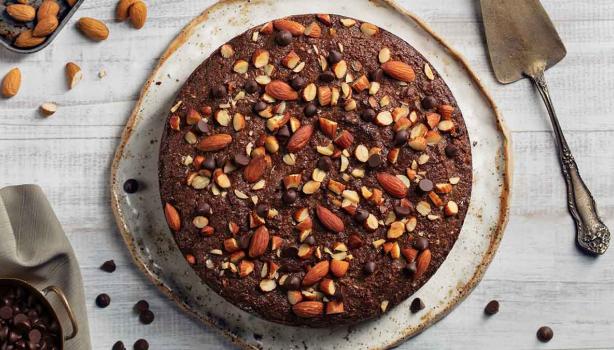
point(319, 169)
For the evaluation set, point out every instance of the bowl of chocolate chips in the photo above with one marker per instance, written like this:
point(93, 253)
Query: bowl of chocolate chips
point(28, 321)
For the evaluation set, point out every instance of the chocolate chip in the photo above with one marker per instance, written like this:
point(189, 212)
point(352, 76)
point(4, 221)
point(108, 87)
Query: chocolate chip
point(103, 300)
point(6, 312)
point(218, 91)
point(34, 336)
point(368, 115)
point(289, 252)
point(334, 56)
point(374, 161)
point(369, 268)
point(131, 186)
point(244, 241)
point(402, 211)
point(421, 243)
point(425, 185)
point(141, 306)
point(416, 305)
point(491, 308)
point(361, 215)
point(310, 240)
point(251, 86)
point(22, 323)
point(429, 102)
point(292, 283)
point(203, 208)
point(209, 163)
point(241, 160)
point(119, 346)
point(298, 82)
point(108, 266)
point(260, 106)
point(262, 210)
point(401, 137)
point(283, 133)
point(451, 151)
point(377, 75)
point(410, 269)
point(146, 317)
point(325, 163)
point(545, 334)
point(327, 76)
point(220, 161)
point(141, 344)
point(355, 241)
point(283, 38)
point(290, 196)
point(202, 127)
point(310, 109)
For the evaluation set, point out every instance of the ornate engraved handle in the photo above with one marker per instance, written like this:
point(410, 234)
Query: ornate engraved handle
point(592, 235)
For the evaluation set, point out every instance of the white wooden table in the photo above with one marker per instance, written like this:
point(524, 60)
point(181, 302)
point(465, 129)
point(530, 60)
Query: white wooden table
point(538, 275)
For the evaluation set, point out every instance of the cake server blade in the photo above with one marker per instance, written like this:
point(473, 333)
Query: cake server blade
point(522, 42)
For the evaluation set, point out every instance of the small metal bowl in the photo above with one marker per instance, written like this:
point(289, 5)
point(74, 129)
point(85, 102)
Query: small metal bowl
point(66, 13)
point(41, 297)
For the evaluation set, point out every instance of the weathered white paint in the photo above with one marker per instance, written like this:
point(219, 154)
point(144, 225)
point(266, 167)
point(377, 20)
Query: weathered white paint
point(538, 275)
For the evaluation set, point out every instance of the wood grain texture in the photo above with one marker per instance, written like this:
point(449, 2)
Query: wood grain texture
point(538, 275)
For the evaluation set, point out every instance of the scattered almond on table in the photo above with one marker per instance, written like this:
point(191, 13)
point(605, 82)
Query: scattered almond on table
point(93, 28)
point(73, 74)
point(11, 83)
point(135, 10)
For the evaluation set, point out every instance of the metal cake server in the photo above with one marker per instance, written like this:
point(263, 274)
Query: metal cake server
point(523, 42)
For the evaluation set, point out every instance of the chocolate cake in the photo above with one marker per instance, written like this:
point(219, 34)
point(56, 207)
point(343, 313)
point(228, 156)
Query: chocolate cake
point(315, 170)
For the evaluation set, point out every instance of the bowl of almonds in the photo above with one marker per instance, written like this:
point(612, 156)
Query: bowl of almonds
point(28, 26)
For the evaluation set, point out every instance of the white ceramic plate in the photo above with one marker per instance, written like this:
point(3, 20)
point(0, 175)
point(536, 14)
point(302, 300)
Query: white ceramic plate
point(140, 216)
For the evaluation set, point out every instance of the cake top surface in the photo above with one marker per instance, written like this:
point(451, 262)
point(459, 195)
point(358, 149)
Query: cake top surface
point(315, 170)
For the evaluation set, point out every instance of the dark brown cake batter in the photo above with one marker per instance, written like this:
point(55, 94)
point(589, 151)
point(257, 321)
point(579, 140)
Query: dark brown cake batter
point(315, 170)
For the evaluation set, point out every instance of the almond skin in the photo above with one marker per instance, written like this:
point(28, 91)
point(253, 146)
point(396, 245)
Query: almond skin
point(93, 29)
point(392, 185)
point(45, 26)
point(214, 142)
point(422, 263)
point(26, 40)
point(255, 169)
point(259, 242)
point(399, 70)
point(138, 14)
point(308, 309)
point(121, 11)
point(300, 138)
point(280, 90)
point(293, 27)
point(316, 273)
point(329, 219)
point(21, 12)
point(172, 217)
point(48, 8)
point(11, 83)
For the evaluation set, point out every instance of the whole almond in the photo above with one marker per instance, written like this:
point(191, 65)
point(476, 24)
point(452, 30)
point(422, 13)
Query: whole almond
point(293, 27)
point(422, 263)
point(339, 267)
point(392, 185)
point(123, 6)
point(48, 8)
point(93, 29)
point(214, 142)
point(11, 83)
point(300, 138)
point(138, 14)
point(316, 273)
point(280, 90)
point(21, 12)
point(26, 40)
point(73, 74)
point(259, 242)
point(172, 217)
point(308, 309)
point(255, 169)
point(45, 26)
point(399, 70)
point(329, 219)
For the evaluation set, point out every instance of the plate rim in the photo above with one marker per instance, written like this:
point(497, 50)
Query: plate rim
point(505, 194)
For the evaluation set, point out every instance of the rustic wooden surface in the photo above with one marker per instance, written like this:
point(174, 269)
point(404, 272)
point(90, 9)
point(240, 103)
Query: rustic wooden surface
point(538, 275)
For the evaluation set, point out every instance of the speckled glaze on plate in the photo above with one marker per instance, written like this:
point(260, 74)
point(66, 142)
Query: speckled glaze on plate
point(140, 216)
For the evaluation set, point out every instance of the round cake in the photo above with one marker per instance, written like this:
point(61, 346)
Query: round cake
point(315, 170)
